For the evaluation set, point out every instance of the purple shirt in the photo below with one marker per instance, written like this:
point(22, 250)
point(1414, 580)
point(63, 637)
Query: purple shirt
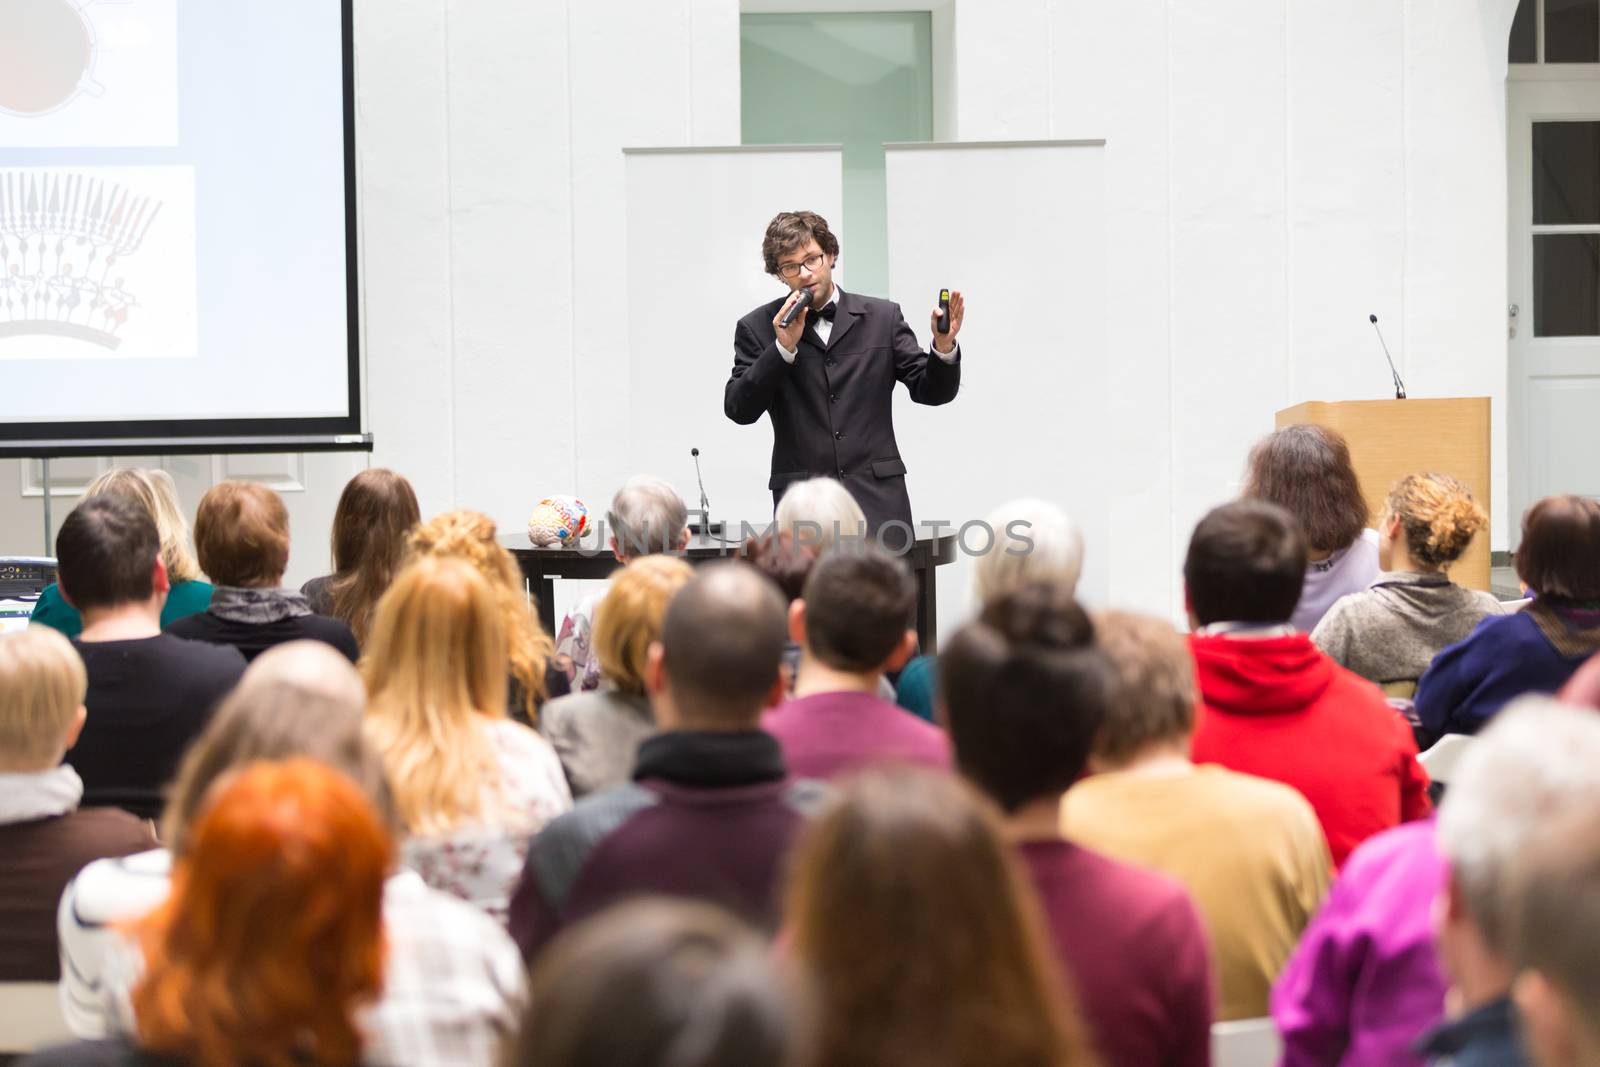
point(1364, 984)
point(829, 734)
point(1349, 570)
point(1132, 943)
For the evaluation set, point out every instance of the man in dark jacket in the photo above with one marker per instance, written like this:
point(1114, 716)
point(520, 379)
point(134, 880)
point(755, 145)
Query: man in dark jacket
point(827, 379)
point(712, 810)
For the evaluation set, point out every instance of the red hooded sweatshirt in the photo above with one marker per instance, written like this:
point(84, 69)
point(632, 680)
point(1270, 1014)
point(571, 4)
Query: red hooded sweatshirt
point(1276, 707)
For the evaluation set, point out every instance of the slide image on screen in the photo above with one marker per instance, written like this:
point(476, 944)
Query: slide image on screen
point(79, 73)
point(97, 261)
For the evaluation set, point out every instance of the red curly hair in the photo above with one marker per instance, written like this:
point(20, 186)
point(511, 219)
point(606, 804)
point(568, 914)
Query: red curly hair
point(272, 936)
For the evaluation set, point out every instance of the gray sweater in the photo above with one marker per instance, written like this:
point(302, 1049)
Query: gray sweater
point(597, 735)
point(1391, 631)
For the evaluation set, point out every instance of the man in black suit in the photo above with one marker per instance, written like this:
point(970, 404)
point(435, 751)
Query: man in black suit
point(827, 379)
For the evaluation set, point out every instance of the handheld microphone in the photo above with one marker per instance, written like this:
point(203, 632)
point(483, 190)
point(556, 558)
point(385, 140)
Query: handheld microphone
point(1399, 386)
point(794, 309)
point(704, 525)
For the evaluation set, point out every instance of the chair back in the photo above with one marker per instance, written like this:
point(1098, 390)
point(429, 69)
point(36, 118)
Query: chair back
point(1442, 756)
point(1245, 1043)
point(30, 1017)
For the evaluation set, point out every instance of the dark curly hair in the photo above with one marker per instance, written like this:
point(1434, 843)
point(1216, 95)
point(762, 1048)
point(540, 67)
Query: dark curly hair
point(789, 231)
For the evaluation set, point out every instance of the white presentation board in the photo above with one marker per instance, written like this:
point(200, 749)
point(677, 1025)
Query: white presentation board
point(696, 217)
point(1019, 229)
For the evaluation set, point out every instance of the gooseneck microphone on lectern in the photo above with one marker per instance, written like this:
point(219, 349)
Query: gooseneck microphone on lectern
point(1399, 386)
point(703, 525)
point(806, 296)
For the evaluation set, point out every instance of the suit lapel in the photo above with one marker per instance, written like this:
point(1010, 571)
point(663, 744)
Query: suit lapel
point(844, 317)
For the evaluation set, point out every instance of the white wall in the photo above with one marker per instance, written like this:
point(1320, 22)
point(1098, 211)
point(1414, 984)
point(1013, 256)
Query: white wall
point(1275, 172)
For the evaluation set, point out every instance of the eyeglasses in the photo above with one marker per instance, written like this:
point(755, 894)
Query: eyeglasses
point(792, 270)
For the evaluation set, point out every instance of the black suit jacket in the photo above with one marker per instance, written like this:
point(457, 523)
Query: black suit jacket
point(832, 409)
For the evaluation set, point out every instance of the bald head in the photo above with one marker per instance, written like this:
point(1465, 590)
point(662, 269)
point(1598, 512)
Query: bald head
point(310, 667)
point(721, 644)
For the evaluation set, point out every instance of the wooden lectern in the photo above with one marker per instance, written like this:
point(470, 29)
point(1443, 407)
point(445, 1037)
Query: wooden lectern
point(1390, 439)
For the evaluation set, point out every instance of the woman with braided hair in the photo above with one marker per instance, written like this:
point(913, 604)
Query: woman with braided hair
point(1390, 632)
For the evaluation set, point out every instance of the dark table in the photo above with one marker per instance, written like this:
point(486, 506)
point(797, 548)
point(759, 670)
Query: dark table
point(542, 566)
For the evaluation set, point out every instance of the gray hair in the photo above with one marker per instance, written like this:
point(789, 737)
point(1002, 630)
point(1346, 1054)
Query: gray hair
point(647, 516)
point(826, 504)
point(1034, 541)
point(1536, 759)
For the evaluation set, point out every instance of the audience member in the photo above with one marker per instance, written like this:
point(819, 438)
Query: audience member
point(1307, 471)
point(45, 837)
point(820, 513)
point(711, 810)
point(242, 534)
point(788, 564)
point(854, 623)
point(597, 733)
point(1555, 941)
point(471, 784)
point(1025, 693)
point(453, 980)
point(661, 984)
point(1034, 541)
point(1535, 761)
point(376, 513)
point(154, 492)
point(1537, 649)
point(150, 694)
point(271, 939)
point(1274, 706)
point(469, 535)
point(1364, 984)
point(1248, 850)
point(1390, 632)
point(647, 517)
point(922, 934)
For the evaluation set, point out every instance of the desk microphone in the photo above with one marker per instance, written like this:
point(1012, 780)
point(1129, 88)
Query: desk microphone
point(806, 296)
point(704, 525)
point(1399, 386)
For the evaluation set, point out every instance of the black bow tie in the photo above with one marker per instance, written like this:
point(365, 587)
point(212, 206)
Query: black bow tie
point(826, 311)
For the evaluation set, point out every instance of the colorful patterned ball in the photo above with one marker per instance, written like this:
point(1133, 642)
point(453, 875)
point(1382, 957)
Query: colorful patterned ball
point(558, 520)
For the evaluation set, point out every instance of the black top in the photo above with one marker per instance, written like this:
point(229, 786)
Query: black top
point(113, 1052)
point(148, 699)
point(254, 638)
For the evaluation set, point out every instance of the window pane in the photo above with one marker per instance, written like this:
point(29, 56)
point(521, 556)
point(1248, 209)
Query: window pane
point(855, 79)
point(1566, 285)
point(1523, 46)
point(1566, 173)
point(1571, 31)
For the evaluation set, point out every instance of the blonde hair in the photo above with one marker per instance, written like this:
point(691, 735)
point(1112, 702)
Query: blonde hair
point(42, 686)
point(825, 503)
point(470, 536)
point(1034, 541)
point(155, 492)
point(1438, 515)
point(629, 619)
point(435, 669)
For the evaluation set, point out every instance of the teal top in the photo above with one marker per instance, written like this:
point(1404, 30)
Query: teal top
point(183, 599)
point(915, 688)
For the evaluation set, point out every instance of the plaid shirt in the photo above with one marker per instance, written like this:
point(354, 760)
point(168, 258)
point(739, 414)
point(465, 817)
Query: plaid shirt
point(453, 989)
